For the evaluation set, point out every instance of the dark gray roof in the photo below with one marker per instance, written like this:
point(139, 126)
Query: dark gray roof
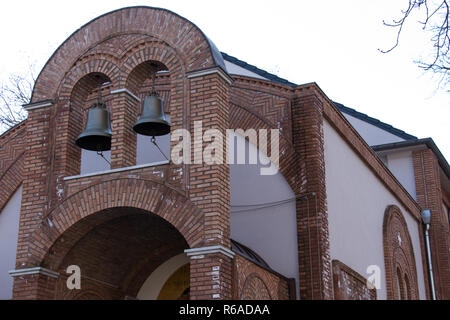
point(377, 123)
point(343, 109)
point(260, 72)
point(248, 253)
point(411, 143)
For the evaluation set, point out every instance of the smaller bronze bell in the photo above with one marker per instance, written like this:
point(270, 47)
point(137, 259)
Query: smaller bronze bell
point(152, 121)
point(97, 134)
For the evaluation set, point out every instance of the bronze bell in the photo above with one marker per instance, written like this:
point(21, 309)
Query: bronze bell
point(152, 121)
point(97, 134)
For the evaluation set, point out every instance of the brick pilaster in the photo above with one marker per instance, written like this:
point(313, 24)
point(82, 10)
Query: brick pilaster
point(124, 110)
point(35, 195)
point(429, 196)
point(211, 274)
point(312, 215)
point(34, 287)
point(210, 184)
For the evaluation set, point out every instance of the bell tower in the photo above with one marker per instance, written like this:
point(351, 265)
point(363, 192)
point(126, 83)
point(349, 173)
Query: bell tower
point(93, 95)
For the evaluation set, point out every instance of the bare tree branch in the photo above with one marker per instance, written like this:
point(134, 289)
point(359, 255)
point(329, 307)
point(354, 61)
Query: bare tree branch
point(436, 21)
point(13, 94)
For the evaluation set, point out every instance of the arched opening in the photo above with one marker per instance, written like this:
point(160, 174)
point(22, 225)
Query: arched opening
point(401, 294)
point(169, 281)
point(140, 82)
point(115, 255)
point(177, 287)
point(407, 288)
point(84, 94)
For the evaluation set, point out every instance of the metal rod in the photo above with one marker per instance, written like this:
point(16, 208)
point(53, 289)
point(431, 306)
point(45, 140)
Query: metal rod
point(100, 153)
point(430, 264)
point(154, 142)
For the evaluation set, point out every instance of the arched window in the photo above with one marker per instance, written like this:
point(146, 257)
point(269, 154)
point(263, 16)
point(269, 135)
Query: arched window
point(401, 274)
point(407, 288)
point(401, 295)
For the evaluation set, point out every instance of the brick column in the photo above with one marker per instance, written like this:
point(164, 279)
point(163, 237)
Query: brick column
point(124, 110)
point(35, 197)
point(34, 283)
point(312, 215)
point(209, 185)
point(429, 196)
point(211, 273)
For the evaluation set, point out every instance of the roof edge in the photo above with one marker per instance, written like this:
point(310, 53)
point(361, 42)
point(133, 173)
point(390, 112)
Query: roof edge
point(267, 75)
point(375, 122)
point(429, 142)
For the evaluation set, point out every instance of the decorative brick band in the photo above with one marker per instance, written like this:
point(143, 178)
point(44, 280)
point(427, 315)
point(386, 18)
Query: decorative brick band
point(209, 250)
point(36, 270)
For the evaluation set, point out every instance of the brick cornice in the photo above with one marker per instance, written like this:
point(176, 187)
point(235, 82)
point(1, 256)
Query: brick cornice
point(38, 105)
point(215, 70)
point(36, 270)
point(262, 85)
point(209, 250)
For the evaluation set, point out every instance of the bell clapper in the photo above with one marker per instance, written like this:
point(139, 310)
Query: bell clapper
point(157, 146)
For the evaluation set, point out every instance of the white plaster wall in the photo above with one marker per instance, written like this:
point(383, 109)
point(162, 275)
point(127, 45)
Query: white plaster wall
point(91, 162)
point(271, 232)
point(370, 133)
point(402, 167)
point(147, 152)
point(9, 230)
point(152, 286)
point(357, 201)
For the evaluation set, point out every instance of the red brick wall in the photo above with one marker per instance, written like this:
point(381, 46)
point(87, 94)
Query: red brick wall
point(252, 282)
point(430, 196)
point(350, 285)
point(12, 149)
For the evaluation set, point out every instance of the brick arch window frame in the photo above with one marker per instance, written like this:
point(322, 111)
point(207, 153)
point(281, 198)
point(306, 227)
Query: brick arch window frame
point(255, 288)
point(398, 256)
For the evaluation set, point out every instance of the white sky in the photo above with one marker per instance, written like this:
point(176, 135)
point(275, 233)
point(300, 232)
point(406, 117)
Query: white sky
point(332, 43)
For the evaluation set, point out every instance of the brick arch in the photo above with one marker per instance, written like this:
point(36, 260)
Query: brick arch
point(94, 64)
point(145, 195)
point(255, 288)
point(242, 118)
point(398, 254)
point(154, 50)
point(12, 150)
point(11, 180)
point(180, 33)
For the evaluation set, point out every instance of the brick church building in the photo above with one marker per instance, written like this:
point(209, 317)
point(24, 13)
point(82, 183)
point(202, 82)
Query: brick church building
point(348, 204)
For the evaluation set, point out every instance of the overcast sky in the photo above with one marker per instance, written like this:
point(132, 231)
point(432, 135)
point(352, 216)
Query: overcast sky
point(332, 43)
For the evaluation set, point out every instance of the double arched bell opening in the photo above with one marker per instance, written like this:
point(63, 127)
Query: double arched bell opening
point(152, 121)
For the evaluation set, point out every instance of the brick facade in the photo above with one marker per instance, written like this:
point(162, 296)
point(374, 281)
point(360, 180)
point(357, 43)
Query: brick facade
point(349, 284)
point(65, 217)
